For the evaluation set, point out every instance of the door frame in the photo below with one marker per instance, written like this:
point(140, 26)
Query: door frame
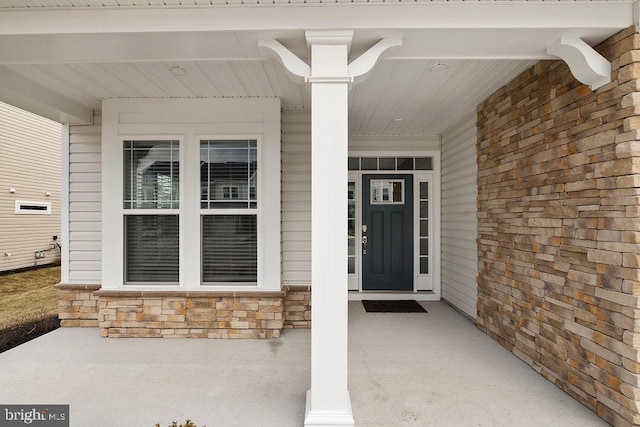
point(355, 280)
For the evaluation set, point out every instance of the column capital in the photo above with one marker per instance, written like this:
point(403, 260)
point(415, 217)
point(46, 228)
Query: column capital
point(329, 37)
point(312, 79)
point(353, 73)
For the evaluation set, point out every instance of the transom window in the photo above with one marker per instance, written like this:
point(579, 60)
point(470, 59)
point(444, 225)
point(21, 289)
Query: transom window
point(390, 163)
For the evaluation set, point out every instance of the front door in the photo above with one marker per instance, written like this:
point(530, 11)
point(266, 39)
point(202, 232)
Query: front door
point(387, 232)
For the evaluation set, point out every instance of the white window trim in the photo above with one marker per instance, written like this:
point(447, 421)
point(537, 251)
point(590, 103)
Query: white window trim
point(424, 282)
point(20, 210)
point(64, 206)
point(257, 119)
point(354, 279)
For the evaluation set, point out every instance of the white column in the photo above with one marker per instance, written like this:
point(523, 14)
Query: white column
point(328, 402)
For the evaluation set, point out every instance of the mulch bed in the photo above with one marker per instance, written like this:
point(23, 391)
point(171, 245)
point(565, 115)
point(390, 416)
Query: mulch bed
point(19, 334)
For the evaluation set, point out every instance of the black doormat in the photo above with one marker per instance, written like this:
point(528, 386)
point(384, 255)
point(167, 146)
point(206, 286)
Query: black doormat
point(401, 306)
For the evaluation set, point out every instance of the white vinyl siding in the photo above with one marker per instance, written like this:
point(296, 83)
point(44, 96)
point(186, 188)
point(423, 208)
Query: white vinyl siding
point(30, 165)
point(459, 223)
point(85, 208)
point(296, 197)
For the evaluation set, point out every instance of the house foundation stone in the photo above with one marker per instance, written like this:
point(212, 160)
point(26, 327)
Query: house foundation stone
point(185, 314)
point(297, 307)
point(77, 305)
point(190, 314)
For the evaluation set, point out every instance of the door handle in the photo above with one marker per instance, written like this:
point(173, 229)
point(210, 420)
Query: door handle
point(364, 244)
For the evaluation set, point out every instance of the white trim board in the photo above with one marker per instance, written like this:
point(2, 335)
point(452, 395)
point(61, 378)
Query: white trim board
point(483, 15)
point(64, 204)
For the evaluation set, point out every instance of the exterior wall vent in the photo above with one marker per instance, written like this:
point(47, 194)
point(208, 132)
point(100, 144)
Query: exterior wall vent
point(32, 208)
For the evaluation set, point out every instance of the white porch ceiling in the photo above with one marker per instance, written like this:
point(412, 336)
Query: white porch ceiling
point(401, 97)
point(61, 58)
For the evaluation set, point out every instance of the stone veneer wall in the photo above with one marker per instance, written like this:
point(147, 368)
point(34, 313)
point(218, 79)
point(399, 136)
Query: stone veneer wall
point(297, 307)
point(182, 314)
point(77, 305)
point(190, 314)
point(559, 228)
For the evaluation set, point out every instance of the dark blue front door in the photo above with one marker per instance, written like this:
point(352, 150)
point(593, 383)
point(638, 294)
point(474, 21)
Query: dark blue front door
point(387, 218)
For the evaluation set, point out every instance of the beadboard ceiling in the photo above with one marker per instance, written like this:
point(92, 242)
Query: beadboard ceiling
point(401, 97)
point(61, 58)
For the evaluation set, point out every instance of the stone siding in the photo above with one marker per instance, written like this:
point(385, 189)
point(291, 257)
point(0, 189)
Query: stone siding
point(559, 228)
point(77, 305)
point(190, 314)
point(297, 307)
point(182, 314)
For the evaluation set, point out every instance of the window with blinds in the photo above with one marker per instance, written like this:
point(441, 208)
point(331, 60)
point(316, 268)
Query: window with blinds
point(228, 171)
point(228, 201)
point(151, 174)
point(152, 248)
point(151, 221)
point(229, 248)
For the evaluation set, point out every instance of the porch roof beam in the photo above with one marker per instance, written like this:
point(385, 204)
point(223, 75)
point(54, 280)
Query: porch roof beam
point(520, 15)
point(32, 96)
point(419, 44)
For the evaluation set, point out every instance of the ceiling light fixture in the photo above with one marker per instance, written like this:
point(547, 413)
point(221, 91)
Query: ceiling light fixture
point(439, 68)
point(178, 71)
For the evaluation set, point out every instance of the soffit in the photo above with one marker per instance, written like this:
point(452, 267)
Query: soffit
point(77, 58)
point(401, 97)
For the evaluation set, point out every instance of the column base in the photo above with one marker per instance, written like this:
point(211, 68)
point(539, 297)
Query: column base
point(328, 419)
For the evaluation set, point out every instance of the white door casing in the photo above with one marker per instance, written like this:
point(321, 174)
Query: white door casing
point(425, 286)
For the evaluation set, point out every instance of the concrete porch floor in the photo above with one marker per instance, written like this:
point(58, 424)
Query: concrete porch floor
point(413, 369)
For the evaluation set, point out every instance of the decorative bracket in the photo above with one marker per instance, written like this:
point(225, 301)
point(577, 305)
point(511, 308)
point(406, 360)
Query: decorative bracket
point(361, 67)
point(586, 65)
point(297, 69)
point(300, 72)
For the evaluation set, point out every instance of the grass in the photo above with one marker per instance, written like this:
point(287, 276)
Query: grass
point(29, 305)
